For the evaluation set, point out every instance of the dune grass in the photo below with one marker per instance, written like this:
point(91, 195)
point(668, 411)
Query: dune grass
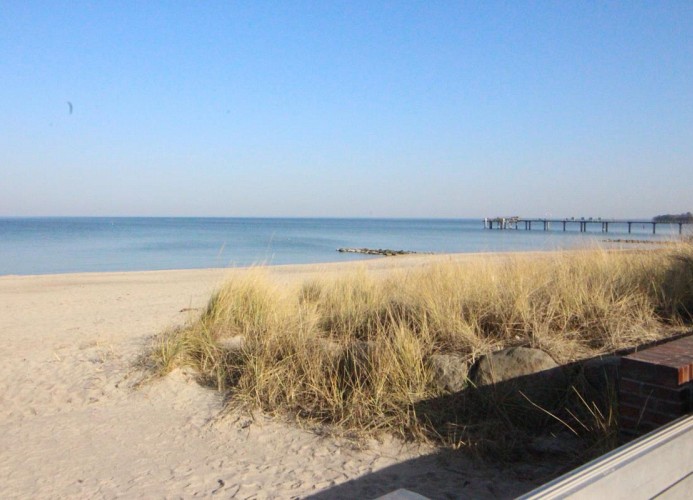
point(353, 352)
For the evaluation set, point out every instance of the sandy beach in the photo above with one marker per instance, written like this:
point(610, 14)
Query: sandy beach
point(73, 424)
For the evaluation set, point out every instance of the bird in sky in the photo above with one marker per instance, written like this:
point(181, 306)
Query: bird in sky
point(69, 105)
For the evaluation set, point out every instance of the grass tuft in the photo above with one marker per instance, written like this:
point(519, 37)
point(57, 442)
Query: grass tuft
point(352, 352)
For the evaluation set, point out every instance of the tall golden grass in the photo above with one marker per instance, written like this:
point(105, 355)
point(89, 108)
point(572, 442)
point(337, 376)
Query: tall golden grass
point(354, 351)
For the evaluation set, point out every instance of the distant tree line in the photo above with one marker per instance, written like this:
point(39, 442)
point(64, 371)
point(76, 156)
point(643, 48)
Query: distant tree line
point(687, 217)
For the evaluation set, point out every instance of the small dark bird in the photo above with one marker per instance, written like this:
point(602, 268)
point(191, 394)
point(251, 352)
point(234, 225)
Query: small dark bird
point(69, 105)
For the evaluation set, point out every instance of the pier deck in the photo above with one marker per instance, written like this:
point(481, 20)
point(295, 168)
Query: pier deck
point(545, 224)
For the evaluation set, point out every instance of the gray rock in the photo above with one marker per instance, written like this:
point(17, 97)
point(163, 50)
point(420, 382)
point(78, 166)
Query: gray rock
point(525, 383)
point(511, 363)
point(449, 372)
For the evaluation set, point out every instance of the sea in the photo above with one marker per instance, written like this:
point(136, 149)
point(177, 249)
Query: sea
point(51, 245)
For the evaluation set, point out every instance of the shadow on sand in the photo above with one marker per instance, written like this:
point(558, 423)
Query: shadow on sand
point(509, 445)
point(444, 474)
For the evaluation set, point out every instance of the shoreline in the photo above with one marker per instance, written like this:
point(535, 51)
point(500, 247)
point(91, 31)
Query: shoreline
point(103, 245)
point(369, 261)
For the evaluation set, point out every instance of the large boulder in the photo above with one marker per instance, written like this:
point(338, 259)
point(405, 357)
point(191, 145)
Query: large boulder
point(511, 363)
point(449, 372)
point(522, 382)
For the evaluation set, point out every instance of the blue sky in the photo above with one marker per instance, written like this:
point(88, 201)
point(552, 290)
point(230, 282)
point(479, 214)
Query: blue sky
point(384, 109)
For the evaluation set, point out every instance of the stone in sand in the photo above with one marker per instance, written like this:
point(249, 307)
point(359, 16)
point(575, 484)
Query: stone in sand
point(449, 372)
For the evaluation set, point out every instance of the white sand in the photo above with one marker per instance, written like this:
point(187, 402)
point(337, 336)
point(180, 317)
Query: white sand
point(73, 425)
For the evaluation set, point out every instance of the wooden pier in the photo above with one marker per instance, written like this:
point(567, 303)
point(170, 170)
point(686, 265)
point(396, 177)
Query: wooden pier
point(545, 224)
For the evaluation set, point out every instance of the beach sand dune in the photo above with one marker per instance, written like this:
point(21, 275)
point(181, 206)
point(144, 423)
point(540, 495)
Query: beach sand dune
point(72, 424)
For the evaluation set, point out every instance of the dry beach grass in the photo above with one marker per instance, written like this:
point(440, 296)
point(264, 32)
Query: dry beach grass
point(353, 351)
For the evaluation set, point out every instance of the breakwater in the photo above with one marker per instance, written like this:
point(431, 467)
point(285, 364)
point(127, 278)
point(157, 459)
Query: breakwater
point(379, 251)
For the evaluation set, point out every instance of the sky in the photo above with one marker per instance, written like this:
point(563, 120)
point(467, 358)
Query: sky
point(346, 108)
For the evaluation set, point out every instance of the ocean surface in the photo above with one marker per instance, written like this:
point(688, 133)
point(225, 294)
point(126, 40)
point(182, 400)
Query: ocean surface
point(50, 245)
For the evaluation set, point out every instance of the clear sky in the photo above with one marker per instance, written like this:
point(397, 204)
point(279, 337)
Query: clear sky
point(354, 108)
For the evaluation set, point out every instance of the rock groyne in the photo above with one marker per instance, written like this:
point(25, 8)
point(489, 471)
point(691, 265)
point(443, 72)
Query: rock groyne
point(379, 251)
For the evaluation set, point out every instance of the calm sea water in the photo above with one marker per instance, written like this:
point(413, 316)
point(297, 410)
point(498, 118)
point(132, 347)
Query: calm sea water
point(76, 244)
